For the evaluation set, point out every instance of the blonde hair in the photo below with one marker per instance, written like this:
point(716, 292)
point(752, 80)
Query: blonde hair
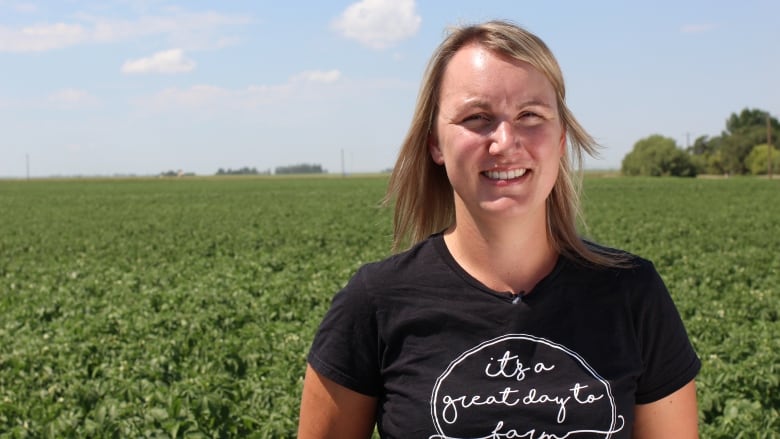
point(423, 196)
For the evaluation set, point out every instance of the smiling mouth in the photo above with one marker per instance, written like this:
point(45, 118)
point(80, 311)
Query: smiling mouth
point(505, 175)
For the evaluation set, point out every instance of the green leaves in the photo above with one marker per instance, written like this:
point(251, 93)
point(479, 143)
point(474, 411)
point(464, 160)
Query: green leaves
point(185, 308)
point(715, 244)
point(151, 308)
point(656, 156)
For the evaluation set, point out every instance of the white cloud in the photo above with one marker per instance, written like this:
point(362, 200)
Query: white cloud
point(169, 61)
point(72, 98)
point(195, 96)
point(325, 77)
point(697, 28)
point(305, 84)
point(378, 23)
point(193, 30)
point(41, 37)
point(187, 30)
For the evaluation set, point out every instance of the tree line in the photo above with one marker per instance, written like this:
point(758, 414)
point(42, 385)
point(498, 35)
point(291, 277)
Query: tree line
point(740, 149)
point(302, 168)
point(242, 171)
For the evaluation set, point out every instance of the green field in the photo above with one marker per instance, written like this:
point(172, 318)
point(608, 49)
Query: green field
point(185, 307)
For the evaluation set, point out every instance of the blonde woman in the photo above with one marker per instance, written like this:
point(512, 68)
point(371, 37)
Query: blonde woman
point(498, 320)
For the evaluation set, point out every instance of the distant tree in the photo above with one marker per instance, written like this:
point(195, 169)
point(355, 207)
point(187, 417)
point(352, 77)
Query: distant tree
point(707, 154)
point(703, 145)
point(702, 149)
point(743, 132)
point(303, 168)
point(241, 171)
point(657, 155)
point(758, 160)
point(749, 118)
point(734, 152)
point(715, 164)
point(728, 152)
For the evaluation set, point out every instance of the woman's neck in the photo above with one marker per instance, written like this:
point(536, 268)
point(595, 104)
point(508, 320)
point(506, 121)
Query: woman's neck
point(505, 256)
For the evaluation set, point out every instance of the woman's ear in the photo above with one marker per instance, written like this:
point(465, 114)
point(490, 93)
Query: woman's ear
point(435, 150)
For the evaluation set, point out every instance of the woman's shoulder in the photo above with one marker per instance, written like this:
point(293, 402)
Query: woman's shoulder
point(622, 259)
point(404, 267)
point(623, 266)
point(635, 279)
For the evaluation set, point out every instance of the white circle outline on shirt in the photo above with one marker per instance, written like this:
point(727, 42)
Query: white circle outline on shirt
point(525, 337)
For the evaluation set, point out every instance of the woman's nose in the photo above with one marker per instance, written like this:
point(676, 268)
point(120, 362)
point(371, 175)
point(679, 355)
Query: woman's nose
point(504, 138)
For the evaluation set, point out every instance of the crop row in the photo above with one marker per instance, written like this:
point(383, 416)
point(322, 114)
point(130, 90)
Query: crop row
point(172, 308)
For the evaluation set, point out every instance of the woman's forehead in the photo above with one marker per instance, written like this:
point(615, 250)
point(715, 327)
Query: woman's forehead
point(476, 73)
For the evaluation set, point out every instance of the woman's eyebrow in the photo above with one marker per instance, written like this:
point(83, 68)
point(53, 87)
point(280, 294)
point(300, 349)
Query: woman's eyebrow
point(473, 103)
point(483, 104)
point(534, 103)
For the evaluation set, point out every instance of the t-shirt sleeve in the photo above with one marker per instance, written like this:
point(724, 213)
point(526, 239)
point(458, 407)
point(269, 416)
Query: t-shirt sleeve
point(668, 358)
point(346, 346)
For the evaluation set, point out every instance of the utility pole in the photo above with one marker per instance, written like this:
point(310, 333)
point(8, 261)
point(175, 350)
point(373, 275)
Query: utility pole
point(768, 147)
point(27, 163)
point(343, 171)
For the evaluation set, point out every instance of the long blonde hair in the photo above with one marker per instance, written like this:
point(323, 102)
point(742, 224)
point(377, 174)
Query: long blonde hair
point(420, 189)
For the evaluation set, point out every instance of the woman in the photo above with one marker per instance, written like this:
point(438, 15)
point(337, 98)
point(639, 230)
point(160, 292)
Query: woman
point(499, 321)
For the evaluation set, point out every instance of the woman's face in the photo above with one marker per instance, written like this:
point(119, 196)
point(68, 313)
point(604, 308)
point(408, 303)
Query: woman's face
point(498, 134)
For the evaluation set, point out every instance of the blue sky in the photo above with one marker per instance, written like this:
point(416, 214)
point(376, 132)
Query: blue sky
point(144, 86)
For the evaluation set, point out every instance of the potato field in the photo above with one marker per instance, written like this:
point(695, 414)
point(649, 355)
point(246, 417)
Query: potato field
point(173, 308)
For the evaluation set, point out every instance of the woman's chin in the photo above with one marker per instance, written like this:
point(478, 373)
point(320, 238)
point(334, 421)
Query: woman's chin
point(509, 207)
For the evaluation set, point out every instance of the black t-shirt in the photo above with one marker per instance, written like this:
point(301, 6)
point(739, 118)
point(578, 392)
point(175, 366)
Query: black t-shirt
point(448, 357)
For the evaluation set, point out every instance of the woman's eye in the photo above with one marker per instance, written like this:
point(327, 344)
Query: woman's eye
point(476, 117)
point(477, 122)
point(531, 118)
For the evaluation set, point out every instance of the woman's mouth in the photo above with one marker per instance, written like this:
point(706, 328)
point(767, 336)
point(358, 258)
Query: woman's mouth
point(505, 175)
